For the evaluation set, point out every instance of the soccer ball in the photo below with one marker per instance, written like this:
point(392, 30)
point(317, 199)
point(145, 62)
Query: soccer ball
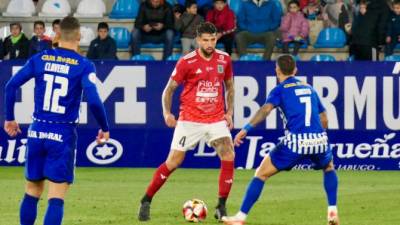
point(194, 210)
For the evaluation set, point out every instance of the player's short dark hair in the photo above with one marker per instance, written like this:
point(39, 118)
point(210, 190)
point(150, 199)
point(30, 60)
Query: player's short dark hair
point(56, 22)
point(286, 64)
point(69, 27)
point(294, 2)
point(189, 3)
point(205, 28)
point(103, 25)
point(396, 2)
point(16, 24)
point(38, 22)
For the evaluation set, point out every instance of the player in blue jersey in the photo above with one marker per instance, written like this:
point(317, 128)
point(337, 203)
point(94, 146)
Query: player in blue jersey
point(305, 122)
point(60, 75)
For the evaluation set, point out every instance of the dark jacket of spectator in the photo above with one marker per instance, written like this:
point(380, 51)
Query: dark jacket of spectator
point(36, 45)
point(224, 20)
point(393, 26)
point(150, 15)
point(187, 24)
point(380, 11)
point(363, 29)
point(259, 16)
point(18, 50)
point(102, 49)
point(1, 49)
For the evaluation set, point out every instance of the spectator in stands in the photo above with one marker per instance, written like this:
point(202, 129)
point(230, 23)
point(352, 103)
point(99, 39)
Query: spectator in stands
point(186, 24)
point(39, 41)
point(311, 8)
point(224, 19)
point(16, 46)
point(258, 22)
point(337, 14)
point(294, 28)
point(154, 24)
point(393, 29)
point(104, 46)
point(363, 40)
point(56, 31)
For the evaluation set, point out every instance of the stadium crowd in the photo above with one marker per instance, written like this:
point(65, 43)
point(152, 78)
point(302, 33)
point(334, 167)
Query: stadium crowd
point(370, 27)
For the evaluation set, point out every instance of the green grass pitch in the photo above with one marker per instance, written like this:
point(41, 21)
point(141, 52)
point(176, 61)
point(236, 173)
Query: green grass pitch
point(111, 196)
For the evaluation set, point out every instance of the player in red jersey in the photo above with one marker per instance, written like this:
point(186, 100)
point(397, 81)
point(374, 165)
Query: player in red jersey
point(203, 73)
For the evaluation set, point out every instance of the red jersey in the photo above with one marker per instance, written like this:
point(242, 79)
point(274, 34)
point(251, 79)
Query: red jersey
point(202, 98)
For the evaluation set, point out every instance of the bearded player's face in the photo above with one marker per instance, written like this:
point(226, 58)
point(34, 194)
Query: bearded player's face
point(207, 43)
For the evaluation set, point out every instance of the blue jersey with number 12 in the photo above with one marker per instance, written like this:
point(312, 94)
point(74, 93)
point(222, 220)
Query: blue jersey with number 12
point(299, 105)
point(60, 76)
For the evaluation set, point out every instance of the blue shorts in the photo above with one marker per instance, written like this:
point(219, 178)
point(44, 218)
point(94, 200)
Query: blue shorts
point(284, 158)
point(51, 152)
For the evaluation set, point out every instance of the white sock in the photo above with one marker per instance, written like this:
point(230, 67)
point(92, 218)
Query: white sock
point(241, 215)
point(332, 208)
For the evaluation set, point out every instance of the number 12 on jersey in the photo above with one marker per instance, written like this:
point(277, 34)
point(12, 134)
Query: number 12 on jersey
point(52, 95)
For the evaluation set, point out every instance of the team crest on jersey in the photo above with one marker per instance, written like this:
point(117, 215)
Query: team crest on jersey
point(220, 68)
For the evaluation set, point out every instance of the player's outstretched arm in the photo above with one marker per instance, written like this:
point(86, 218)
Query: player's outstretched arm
point(230, 97)
point(167, 95)
point(260, 116)
point(11, 127)
point(97, 108)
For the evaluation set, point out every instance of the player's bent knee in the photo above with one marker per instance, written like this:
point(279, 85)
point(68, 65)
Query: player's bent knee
point(266, 169)
point(228, 155)
point(34, 188)
point(57, 190)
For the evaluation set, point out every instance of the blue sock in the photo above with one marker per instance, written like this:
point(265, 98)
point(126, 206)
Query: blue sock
point(28, 210)
point(253, 192)
point(331, 186)
point(55, 212)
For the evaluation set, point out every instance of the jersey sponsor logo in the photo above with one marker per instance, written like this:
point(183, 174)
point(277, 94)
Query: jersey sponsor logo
point(60, 59)
point(105, 154)
point(45, 135)
point(207, 91)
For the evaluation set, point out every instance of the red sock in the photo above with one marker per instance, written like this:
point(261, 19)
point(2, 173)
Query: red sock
point(226, 178)
point(159, 178)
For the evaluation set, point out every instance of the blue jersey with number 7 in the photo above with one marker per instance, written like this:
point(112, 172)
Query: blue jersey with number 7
point(299, 106)
point(60, 77)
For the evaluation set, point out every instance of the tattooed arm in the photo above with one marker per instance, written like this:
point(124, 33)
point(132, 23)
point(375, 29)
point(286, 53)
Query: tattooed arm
point(230, 95)
point(167, 95)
